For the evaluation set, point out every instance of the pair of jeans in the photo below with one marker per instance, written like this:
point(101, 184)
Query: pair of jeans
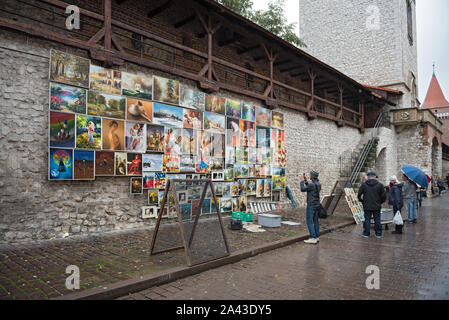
point(312, 220)
point(411, 207)
point(367, 223)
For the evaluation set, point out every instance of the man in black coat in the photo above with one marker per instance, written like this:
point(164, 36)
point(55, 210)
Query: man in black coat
point(372, 194)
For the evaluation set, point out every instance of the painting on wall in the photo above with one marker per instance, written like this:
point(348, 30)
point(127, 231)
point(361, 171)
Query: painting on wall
point(67, 99)
point(148, 179)
point(84, 165)
point(214, 205)
point(120, 163)
point(187, 163)
point(189, 141)
point(104, 163)
point(165, 90)
point(228, 174)
point(105, 105)
point(204, 144)
point(159, 180)
point(263, 117)
point(241, 155)
point(69, 69)
point(218, 145)
point(232, 132)
point(267, 188)
point(278, 120)
point(173, 141)
point(186, 211)
point(263, 137)
point(233, 108)
point(60, 164)
point(226, 205)
point(105, 80)
point(136, 185)
point(235, 204)
point(135, 137)
point(193, 119)
point(62, 130)
point(251, 187)
point(247, 133)
point(134, 164)
point(88, 132)
point(215, 104)
point(230, 155)
point(202, 165)
point(136, 86)
point(216, 164)
point(170, 163)
point(278, 182)
point(205, 206)
point(139, 110)
point(249, 112)
point(151, 162)
point(155, 138)
point(214, 122)
point(113, 134)
point(192, 99)
point(260, 188)
point(153, 197)
point(149, 212)
point(167, 115)
point(240, 171)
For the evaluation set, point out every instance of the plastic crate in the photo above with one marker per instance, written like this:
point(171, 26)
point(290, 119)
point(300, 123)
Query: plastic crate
point(243, 216)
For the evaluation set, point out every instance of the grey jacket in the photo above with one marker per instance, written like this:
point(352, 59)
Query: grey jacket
point(409, 190)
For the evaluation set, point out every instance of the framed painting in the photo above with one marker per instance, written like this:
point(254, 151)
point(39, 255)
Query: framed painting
point(217, 176)
point(155, 138)
point(113, 134)
point(166, 115)
point(62, 130)
point(187, 163)
point(247, 133)
point(135, 137)
point(218, 145)
point(159, 180)
point(205, 144)
point(235, 204)
point(173, 141)
point(215, 104)
point(260, 188)
point(242, 183)
point(228, 174)
point(88, 132)
point(233, 108)
point(152, 162)
point(105, 105)
point(67, 99)
point(171, 163)
point(249, 112)
point(267, 188)
point(241, 155)
point(84, 165)
point(240, 171)
point(278, 120)
point(104, 163)
point(69, 69)
point(202, 165)
point(134, 164)
point(263, 116)
point(148, 180)
point(165, 90)
point(251, 171)
point(139, 110)
point(226, 204)
point(205, 206)
point(183, 196)
point(136, 185)
point(278, 182)
point(214, 122)
point(232, 132)
point(214, 206)
point(153, 197)
point(192, 99)
point(230, 155)
point(120, 163)
point(218, 188)
point(137, 86)
point(242, 204)
point(60, 165)
point(263, 137)
point(234, 189)
point(251, 187)
point(216, 164)
point(105, 80)
point(149, 212)
point(192, 119)
point(189, 141)
point(186, 211)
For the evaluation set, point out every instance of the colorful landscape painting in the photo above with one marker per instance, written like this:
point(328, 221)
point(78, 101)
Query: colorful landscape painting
point(84, 165)
point(105, 105)
point(120, 163)
point(139, 110)
point(62, 130)
point(247, 133)
point(249, 112)
point(278, 182)
point(152, 162)
point(233, 108)
point(263, 117)
point(60, 164)
point(88, 132)
point(67, 99)
point(134, 164)
point(214, 122)
point(193, 119)
point(165, 90)
point(159, 180)
point(187, 163)
point(215, 104)
point(104, 163)
point(251, 187)
point(278, 120)
point(155, 138)
point(135, 137)
point(113, 134)
point(138, 87)
point(192, 99)
point(267, 188)
point(105, 80)
point(69, 69)
point(167, 115)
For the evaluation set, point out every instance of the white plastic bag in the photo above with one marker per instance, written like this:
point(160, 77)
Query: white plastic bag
point(397, 220)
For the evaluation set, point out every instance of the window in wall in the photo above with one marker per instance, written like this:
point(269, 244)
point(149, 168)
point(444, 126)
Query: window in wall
point(410, 21)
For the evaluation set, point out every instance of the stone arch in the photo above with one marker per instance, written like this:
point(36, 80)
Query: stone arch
point(381, 165)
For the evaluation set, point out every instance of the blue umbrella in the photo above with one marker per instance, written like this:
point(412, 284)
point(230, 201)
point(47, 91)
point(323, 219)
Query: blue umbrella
point(416, 175)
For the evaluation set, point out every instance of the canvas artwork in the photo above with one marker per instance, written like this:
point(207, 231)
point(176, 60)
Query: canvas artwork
point(134, 164)
point(105, 80)
point(182, 196)
point(192, 119)
point(187, 163)
point(88, 132)
point(60, 164)
point(214, 122)
point(263, 117)
point(276, 196)
point(151, 162)
point(205, 206)
point(205, 144)
point(278, 120)
point(196, 208)
point(138, 87)
point(139, 110)
point(173, 141)
point(251, 187)
point(135, 137)
point(277, 136)
point(235, 204)
point(202, 165)
point(189, 141)
point(218, 188)
point(192, 99)
point(155, 138)
point(260, 188)
point(136, 186)
point(232, 132)
point(262, 170)
point(153, 197)
point(263, 137)
point(241, 155)
point(148, 180)
point(267, 188)
point(159, 180)
point(214, 205)
point(242, 204)
point(218, 145)
point(165, 90)
point(105, 105)
point(215, 104)
point(67, 99)
point(233, 108)
point(228, 174)
point(104, 163)
point(278, 182)
point(83, 165)
point(170, 163)
point(62, 130)
point(240, 171)
point(252, 155)
point(69, 69)
point(217, 176)
point(234, 189)
point(113, 134)
point(264, 155)
point(275, 171)
point(149, 212)
point(251, 171)
point(195, 193)
point(280, 158)
point(120, 163)
point(172, 213)
point(249, 112)
point(166, 115)
point(242, 183)
point(247, 133)
point(216, 164)
point(226, 205)
point(226, 189)
point(230, 155)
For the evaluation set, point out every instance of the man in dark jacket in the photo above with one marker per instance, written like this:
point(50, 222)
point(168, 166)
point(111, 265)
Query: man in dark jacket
point(372, 194)
point(313, 189)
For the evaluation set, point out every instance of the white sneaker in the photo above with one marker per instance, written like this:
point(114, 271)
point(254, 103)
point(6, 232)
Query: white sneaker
point(311, 241)
point(317, 239)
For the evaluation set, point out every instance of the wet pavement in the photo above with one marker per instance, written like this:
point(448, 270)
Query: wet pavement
point(414, 265)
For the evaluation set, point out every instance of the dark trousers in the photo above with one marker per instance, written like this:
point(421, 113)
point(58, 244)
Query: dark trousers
point(367, 223)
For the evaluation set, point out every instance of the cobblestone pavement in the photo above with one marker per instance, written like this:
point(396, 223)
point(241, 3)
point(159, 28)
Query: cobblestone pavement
point(37, 270)
point(413, 265)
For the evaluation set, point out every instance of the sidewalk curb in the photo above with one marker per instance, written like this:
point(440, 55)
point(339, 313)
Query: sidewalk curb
point(125, 287)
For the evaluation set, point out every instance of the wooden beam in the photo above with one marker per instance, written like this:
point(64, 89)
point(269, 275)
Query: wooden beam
point(184, 21)
point(235, 38)
point(159, 9)
point(282, 62)
point(248, 49)
point(287, 69)
point(107, 24)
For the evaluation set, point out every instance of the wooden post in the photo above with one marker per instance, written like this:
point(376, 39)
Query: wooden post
point(107, 24)
point(340, 116)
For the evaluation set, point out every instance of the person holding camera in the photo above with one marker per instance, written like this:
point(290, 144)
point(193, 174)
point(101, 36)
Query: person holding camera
point(313, 189)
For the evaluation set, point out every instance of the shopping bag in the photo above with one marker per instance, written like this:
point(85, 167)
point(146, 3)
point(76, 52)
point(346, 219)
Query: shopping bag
point(397, 220)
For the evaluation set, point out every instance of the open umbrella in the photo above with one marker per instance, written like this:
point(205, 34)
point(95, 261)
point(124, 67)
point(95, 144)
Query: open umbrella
point(416, 175)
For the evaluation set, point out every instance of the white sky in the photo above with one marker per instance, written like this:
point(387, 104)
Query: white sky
point(433, 39)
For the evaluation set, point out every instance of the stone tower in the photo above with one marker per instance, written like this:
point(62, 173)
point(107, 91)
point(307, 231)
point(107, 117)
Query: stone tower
point(372, 41)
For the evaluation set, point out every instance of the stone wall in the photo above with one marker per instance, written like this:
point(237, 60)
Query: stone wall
point(31, 207)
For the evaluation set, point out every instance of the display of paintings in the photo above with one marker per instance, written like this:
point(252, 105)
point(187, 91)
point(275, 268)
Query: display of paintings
point(234, 189)
point(155, 138)
point(242, 204)
point(241, 155)
point(217, 175)
point(69, 69)
point(166, 115)
point(67, 99)
point(202, 165)
point(186, 211)
point(214, 122)
point(192, 99)
point(251, 185)
point(242, 183)
point(88, 132)
point(170, 163)
point(278, 182)
point(205, 144)
point(120, 163)
point(215, 104)
point(138, 87)
point(134, 164)
point(139, 110)
point(226, 205)
point(278, 120)
point(230, 155)
point(263, 116)
point(260, 188)
point(233, 108)
point(135, 137)
point(232, 132)
point(173, 141)
point(159, 180)
point(149, 212)
point(182, 196)
point(105, 80)
point(106, 105)
point(249, 112)
point(153, 197)
point(136, 186)
point(235, 204)
point(83, 165)
point(216, 164)
point(60, 164)
point(148, 179)
point(62, 130)
point(247, 133)
point(104, 163)
point(267, 188)
point(113, 134)
point(165, 90)
point(196, 207)
point(205, 206)
point(218, 145)
point(192, 119)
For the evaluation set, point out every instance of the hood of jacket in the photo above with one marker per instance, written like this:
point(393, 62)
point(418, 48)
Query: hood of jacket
point(372, 182)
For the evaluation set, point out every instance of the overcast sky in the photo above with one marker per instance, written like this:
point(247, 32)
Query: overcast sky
point(433, 39)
